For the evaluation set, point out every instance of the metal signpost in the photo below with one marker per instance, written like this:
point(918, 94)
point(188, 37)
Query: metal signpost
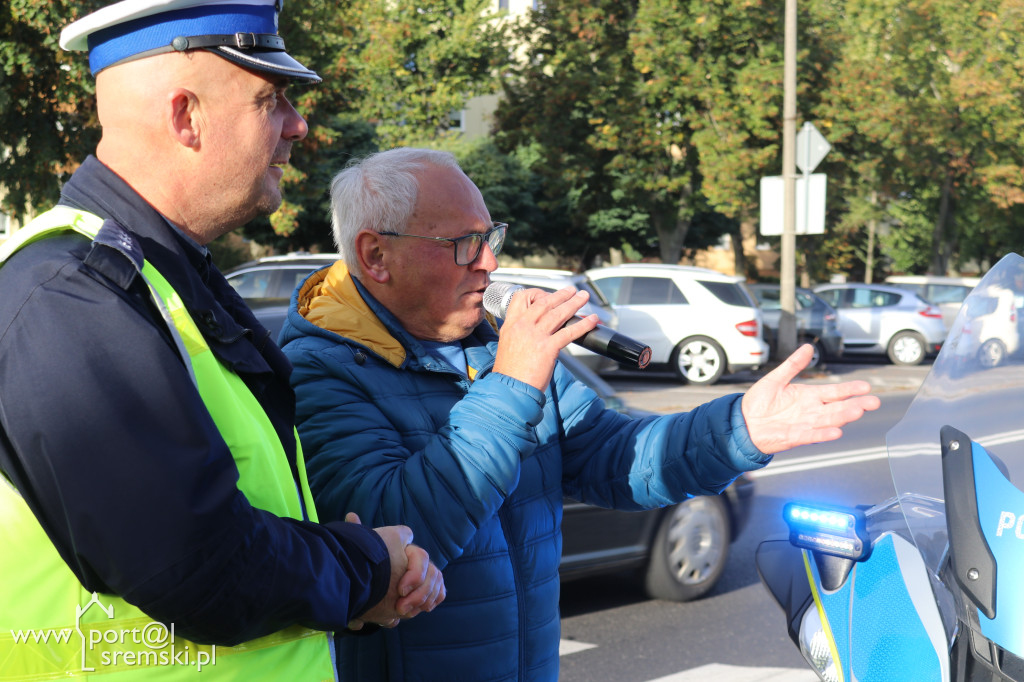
point(802, 203)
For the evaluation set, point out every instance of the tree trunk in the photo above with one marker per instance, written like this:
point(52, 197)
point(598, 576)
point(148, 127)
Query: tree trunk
point(940, 249)
point(671, 231)
point(740, 236)
point(869, 261)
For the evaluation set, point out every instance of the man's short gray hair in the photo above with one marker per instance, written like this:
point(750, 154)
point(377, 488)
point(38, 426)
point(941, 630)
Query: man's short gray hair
point(378, 193)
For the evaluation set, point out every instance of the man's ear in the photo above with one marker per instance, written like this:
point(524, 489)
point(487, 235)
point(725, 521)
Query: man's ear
point(371, 252)
point(184, 121)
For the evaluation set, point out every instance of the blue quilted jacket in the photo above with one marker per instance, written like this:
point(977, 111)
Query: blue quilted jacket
point(477, 467)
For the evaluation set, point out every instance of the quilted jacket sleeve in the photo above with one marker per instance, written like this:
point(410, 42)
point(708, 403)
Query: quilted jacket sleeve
point(404, 447)
point(612, 460)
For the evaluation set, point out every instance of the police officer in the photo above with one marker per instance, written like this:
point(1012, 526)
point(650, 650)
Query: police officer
point(152, 480)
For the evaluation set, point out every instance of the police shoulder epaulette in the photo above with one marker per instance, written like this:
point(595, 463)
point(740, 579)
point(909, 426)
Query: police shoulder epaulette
point(116, 254)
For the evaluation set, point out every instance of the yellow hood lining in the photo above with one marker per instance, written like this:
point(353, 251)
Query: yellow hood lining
point(329, 299)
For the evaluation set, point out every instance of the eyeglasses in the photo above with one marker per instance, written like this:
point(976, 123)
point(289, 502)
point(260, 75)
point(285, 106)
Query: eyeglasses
point(468, 247)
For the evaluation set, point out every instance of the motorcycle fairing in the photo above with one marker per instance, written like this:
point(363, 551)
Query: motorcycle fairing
point(1001, 515)
point(883, 620)
point(833, 612)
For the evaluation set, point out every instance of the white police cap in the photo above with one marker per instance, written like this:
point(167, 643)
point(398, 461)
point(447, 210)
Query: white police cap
point(242, 31)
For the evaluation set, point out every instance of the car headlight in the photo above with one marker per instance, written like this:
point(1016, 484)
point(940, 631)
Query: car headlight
point(817, 647)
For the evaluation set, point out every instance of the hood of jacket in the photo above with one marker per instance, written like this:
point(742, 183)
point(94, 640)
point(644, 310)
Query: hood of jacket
point(329, 303)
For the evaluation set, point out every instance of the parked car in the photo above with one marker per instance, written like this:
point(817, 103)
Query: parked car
point(817, 323)
point(553, 280)
point(271, 312)
point(678, 552)
point(990, 327)
point(948, 293)
point(276, 276)
point(883, 319)
point(700, 322)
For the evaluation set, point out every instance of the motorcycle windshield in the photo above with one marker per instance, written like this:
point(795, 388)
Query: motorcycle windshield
point(976, 385)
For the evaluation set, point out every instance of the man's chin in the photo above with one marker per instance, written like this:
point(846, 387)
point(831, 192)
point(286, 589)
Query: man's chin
point(268, 204)
point(456, 331)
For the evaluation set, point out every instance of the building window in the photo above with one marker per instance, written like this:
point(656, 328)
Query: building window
point(5, 225)
point(457, 120)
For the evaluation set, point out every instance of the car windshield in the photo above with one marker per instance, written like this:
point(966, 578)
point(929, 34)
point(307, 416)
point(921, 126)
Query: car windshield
point(804, 300)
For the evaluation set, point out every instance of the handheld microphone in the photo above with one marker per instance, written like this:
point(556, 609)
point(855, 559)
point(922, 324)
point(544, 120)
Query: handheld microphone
point(600, 340)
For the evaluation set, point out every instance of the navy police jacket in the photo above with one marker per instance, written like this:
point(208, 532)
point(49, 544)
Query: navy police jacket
point(106, 438)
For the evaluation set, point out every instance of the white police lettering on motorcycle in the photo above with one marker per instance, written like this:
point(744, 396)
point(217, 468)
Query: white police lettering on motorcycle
point(1006, 520)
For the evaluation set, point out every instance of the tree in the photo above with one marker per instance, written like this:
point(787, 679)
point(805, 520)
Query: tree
point(47, 110)
point(712, 73)
point(928, 95)
point(573, 70)
point(415, 65)
point(652, 109)
point(393, 74)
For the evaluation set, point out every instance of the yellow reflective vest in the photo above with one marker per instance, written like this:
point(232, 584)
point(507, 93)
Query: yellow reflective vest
point(52, 628)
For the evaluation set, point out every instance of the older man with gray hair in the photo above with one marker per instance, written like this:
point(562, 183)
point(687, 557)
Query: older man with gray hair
point(412, 406)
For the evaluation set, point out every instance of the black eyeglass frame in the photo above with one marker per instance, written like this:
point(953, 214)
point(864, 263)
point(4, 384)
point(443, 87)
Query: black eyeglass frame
point(481, 238)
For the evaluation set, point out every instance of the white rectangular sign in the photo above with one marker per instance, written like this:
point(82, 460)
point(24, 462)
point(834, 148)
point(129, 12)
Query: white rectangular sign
point(812, 205)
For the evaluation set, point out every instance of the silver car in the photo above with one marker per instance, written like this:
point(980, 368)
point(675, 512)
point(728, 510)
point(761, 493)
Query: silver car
point(276, 276)
point(817, 323)
point(881, 319)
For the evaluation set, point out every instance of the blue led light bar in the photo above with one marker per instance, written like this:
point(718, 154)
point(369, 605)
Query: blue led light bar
point(838, 531)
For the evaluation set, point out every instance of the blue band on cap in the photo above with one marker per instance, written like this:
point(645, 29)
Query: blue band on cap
point(116, 43)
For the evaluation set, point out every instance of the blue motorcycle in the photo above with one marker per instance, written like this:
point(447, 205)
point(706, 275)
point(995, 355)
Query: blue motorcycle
point(928, 585)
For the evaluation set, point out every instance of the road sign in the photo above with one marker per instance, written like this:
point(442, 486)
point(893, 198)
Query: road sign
point(811, 148)
point(810, 207)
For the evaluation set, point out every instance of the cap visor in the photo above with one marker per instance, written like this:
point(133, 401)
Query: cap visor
point(268, 61)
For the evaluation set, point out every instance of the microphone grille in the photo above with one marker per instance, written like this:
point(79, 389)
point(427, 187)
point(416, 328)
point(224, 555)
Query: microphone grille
point(497, 296)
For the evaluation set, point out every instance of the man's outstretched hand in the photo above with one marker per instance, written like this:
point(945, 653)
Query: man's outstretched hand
point(781, 415)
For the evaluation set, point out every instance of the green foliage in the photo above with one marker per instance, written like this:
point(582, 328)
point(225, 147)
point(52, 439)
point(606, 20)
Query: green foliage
point(640, 125)
point(926, 103)
point(555, 96)
point(393, 75)
point(907, 238)
point(47, 112)
point(654, 111)
point(414, 65)
point(508, 186)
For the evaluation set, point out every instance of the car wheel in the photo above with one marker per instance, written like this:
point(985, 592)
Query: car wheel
point(819, 353)
point(690, 549)
point(992, 353)
point(699, 360)
point(906, 348)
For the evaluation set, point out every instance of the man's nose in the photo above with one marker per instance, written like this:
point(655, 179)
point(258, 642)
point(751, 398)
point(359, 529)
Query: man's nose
point(485, 260)
point(295, 126)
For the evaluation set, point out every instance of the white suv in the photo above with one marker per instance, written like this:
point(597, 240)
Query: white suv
point(701, 322)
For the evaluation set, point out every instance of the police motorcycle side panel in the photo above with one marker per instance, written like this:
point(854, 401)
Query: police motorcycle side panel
point(873, 619)
point(930, 584)
point(1000, 515)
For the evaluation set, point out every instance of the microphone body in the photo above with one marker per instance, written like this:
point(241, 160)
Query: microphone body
point(600, 340)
